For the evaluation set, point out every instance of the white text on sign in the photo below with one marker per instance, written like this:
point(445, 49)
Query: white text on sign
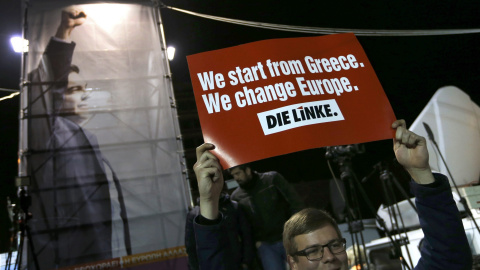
point(298, 115)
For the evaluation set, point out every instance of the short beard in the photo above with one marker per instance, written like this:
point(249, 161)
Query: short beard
point(247, 184)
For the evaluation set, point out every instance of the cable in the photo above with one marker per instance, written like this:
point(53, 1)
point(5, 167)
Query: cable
point(9, 90)
point(326, 30)
point(463, 201)
point(9, 96)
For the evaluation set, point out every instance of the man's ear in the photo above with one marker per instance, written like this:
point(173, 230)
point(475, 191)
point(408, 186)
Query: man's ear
point(291, 262)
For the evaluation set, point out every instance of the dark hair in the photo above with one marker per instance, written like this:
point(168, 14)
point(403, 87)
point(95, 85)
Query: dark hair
point(242, 167)
point(305, 221)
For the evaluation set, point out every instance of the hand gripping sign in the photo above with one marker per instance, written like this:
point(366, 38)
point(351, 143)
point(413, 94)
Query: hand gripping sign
point(278, 96)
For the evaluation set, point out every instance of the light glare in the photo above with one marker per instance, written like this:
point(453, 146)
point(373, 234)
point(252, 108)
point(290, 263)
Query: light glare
point(107, 16)
point(170, 53)
point(19, 44)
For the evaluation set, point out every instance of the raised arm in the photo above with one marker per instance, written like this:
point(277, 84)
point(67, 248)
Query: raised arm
point(59, 52)
point(214, 250)
point(210, 180)
point(445, 245)
point(411, 152)
point(72, 17)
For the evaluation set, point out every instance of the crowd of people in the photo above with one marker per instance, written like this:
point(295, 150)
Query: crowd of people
point(263, 224)
point(285, 234)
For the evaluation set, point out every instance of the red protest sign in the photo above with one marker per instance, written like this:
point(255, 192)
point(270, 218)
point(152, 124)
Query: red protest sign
point(279, 96)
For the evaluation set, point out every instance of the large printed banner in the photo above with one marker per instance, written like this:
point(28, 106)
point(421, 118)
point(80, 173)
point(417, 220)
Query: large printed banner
point(279, 96)
point(98, 137)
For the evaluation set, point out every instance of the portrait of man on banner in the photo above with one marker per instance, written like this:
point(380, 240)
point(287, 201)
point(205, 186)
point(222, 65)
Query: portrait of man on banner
point(92, 195)
point(71, 189)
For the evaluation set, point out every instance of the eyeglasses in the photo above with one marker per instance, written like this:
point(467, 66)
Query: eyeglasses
point(315, 253)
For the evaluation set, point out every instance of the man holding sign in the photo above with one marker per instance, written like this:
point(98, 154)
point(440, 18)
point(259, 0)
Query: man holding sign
point(312, 239)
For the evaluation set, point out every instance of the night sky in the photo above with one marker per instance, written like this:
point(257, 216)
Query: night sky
point(410, 69)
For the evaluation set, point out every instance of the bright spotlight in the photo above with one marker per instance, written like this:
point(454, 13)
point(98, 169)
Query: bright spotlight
point(19, 44)
point(170, 53)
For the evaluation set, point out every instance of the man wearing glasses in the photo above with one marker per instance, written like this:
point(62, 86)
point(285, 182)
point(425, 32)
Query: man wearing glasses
point(312, 238)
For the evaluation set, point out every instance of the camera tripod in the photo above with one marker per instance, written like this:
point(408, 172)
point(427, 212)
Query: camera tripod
point(342, 156)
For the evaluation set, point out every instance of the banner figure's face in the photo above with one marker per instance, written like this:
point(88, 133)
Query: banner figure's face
point(75, 98)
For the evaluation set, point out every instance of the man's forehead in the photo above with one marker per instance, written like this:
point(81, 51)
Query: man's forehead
point(320, 236)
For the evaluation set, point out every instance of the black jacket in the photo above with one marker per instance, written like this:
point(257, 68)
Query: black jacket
point(268, 203)
point(237, 231)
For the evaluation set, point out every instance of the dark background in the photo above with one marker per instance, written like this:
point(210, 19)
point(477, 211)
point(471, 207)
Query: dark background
point(410, 69)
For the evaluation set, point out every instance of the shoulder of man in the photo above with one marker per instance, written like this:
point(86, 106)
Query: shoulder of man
point(236, 193)
point(240, 195)
point(69, 133)
point(268, 177)
point(273, 178)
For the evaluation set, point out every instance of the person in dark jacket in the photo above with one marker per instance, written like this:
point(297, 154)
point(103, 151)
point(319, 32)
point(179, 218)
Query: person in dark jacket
point(321, 246)
point(237, 227)
point(268, 201)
